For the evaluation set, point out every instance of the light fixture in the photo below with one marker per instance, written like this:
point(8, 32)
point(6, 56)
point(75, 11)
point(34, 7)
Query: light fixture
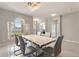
point(33, 5)
point(36, 19)
point(53, 14)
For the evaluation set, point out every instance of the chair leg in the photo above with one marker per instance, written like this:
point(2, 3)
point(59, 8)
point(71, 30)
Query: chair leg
point(16, 51)
point(36, 53)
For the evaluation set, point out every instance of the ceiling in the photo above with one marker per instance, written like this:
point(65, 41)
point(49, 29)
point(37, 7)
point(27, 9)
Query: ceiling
point(46, 9)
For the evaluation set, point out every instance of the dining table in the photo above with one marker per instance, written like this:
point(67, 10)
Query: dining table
point(41, 41)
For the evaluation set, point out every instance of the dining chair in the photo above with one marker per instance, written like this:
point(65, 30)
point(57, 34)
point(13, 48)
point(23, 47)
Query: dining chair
point(27, 51)
point(47, 34)
point(16, 40)
point(53, 51)
point(39, 33)
point(17, 47)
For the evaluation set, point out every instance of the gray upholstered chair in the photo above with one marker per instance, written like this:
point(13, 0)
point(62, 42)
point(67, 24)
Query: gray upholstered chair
point(55, 51)
point(17, 45)
point(27, 51)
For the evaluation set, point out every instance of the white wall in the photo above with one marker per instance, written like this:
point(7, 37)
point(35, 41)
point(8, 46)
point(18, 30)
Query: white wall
point(70, 27)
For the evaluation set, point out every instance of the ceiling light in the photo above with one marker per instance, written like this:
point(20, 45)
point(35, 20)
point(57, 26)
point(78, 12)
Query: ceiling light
point(53, 14)
point(36, 19)
point(33, 5)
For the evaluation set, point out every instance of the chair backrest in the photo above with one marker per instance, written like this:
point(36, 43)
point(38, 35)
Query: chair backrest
point(22, 45)
point(38, 33)
point(57, 47)
point(47, 34)
point(16, 40)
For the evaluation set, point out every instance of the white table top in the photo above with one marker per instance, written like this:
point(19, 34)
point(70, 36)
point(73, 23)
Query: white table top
point(40, 40)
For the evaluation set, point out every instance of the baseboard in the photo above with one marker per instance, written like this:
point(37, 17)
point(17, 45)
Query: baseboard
point(71, 41)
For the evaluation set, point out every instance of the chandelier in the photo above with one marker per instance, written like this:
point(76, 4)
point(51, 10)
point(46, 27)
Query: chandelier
point(33, 5)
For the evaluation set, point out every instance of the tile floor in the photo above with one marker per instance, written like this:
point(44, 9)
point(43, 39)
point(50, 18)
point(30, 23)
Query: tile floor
point(68, 49)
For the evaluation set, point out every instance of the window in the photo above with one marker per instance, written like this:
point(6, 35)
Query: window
point(42, 26)
point(18, 24)
point(54, 29)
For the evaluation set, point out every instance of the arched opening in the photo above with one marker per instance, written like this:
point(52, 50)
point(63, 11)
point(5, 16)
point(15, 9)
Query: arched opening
point(18, 26)
point(15, 27)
